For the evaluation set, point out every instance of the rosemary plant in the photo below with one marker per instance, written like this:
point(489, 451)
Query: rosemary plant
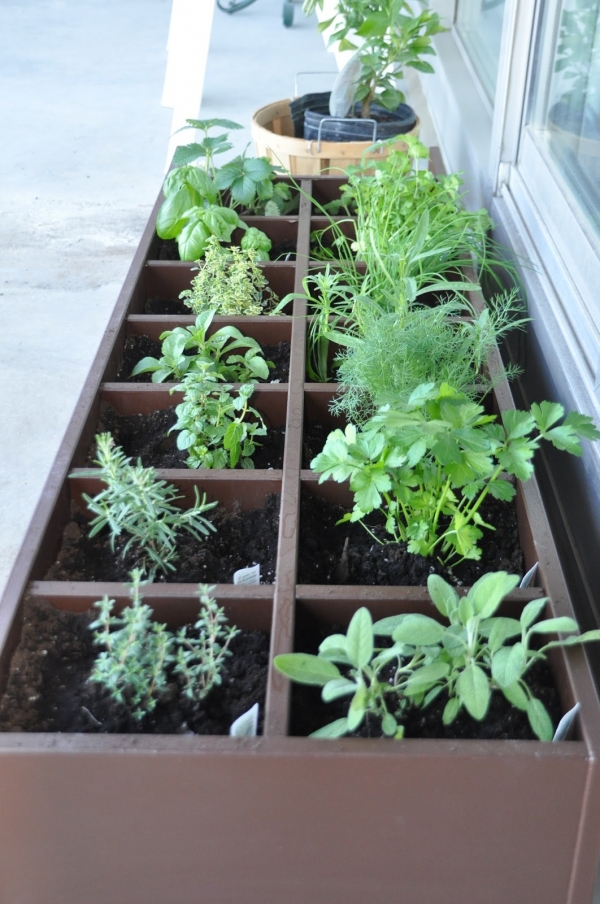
point(134, 502)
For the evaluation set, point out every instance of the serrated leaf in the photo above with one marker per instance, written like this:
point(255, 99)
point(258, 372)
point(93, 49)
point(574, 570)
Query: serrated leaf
point(582, 424)
point(306, 669)
point(546, 414)
point(359, 638)
point(473, 689)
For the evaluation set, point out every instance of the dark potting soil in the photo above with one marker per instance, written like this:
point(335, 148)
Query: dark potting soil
point(138, 347)
point(146, 436)
point(314, 438)
point(242, 539)
point(347, 554)
point(48, 687)
point(170, 306)
point(503, 721)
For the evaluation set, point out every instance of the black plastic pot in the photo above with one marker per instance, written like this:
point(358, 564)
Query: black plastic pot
point(387, 123)
point(299, 106)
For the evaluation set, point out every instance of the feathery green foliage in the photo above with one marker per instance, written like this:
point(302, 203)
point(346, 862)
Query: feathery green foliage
point(134, 502)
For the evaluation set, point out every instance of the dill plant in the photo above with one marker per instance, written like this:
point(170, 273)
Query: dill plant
point(136, 503)
point(396, 353)
point(230, 282)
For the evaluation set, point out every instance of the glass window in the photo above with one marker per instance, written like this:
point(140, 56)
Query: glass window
point(565, 114)
point(479, 24)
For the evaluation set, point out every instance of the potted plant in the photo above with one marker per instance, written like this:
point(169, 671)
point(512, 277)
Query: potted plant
point(282, 817)
point(365, 104)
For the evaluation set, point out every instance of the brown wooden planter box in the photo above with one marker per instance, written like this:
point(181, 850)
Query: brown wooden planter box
point(279, 819)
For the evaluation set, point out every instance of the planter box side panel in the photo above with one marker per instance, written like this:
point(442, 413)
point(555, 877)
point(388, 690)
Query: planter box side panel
point(298, 830)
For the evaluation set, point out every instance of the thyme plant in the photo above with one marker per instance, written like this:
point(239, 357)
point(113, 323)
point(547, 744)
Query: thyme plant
point(219, 352)
point(429, 464)
point(141, 657)
point(468, 659)
point(230, 282)
point(134, 502)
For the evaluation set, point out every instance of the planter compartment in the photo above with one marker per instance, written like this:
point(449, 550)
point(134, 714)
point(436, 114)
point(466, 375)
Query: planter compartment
point(168, 279)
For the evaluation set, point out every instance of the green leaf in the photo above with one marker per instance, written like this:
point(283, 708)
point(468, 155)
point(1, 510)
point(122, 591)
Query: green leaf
point(335, 648)
point(306, 669)
point(202, 183)
point(443, 594)
point(546, 414)
point(338, 687)
point(385, 626)
point(389, 726)
point(500, 630)
point(173, 214)
point(357, 709)
point(334, 730)
point(515, 695)
point(582, 424)
point(561, 625)
point(451, 710)
point(192, 241)
point(517, 423)
point(374, 26)
point(473, 689)
point(532, 611)
point(539, 719)
point(487, 593)
point(508, 664)
point(359, 638)
point(419, 630)
point(422, 679)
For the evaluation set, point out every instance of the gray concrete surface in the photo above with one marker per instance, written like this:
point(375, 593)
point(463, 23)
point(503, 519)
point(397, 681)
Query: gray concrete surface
point(82, 156)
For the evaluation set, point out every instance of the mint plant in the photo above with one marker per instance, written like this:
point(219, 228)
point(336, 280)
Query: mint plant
point(195, 208)
point(429, 464)
point(230, 282)
point(215, 424)
point(140, 656)
point(220, 352)
point(468, 659)
point(134, 502)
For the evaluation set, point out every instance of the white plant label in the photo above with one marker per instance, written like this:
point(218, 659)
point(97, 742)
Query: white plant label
point(562, 729)
point(528, 578)
point(246, 725)
point(247, 575)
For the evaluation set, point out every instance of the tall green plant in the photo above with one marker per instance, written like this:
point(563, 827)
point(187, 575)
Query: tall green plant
point(391, 38)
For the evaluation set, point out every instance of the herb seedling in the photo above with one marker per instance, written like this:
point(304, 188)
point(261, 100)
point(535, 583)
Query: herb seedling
point(220, 352)
point(429, 464)
point(136, 503)
point(140, 655)
point(230, 282)
point(215, 424)
point(194, 209)
point(468, 659)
